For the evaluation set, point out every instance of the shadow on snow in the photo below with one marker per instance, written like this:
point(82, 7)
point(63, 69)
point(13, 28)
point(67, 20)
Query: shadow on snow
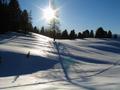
point(14, 64)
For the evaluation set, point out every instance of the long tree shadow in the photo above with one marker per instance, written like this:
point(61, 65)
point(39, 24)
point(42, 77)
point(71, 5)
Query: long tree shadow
point(108, 45)
point(64, 52)
point(65, 69)
point(110, 42)
point(57, 46)
point(14, 64)
point(106, 48)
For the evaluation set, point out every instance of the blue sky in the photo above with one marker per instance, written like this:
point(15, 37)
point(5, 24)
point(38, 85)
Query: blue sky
point(79, 14)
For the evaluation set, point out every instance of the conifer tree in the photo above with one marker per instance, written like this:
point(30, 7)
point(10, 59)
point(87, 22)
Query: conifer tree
point(109, 34)
point(14, 14)
point(91, 34)
point(72, 34)
point(80, 36)
point(65, 34)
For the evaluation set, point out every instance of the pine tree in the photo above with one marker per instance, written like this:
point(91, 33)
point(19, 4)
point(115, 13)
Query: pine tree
point(24, 21)
point(80, 36)
point(105, 34)
point(14, 14)
point(86, 34)
point(72, 34)
point(36, 30)
point(100, 33)
point(12, 18)
point(42, 31)
point(4, 16)
point(30, 26)
point(65, 34)
point(91, 34)
point(109, 34)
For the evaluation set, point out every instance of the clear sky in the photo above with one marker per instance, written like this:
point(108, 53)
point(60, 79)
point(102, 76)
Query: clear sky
point(79, 14)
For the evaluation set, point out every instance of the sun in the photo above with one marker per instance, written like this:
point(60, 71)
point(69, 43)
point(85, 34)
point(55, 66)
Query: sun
point(49, 14)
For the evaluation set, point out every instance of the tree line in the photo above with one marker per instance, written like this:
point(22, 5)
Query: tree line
point(99, 33)
point(12, 18)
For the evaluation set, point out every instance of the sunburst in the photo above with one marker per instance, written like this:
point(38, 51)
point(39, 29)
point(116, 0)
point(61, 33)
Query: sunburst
point(50, 13)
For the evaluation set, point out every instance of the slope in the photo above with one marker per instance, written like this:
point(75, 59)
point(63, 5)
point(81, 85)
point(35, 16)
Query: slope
point(35, 62)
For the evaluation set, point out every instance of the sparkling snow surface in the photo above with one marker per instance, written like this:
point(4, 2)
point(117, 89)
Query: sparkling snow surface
point(35, 62)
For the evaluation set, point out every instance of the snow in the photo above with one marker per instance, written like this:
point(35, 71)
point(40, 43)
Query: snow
point(35, 62)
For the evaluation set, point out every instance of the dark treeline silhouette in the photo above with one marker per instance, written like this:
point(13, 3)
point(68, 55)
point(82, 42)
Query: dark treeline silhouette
point(12, 18)
point(99, 33)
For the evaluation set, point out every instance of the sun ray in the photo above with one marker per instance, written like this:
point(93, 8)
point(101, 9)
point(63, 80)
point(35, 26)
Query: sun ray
point(50, 13)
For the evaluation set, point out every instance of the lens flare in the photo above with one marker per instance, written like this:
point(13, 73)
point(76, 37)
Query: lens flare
point(49, 14)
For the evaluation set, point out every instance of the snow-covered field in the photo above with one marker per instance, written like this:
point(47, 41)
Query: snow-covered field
point(35, 62)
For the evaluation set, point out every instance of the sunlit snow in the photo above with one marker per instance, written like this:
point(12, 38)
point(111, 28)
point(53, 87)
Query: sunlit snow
point(35, 62)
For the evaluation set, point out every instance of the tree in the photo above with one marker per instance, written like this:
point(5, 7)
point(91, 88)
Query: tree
point(65, 34)
point(36, 30)
point(80, 36)
point(105, 34)
point(30, 26)
point(14, 14)
point(100, 33)
point(109, 34)
point(42, 31)
point(72, 34)
point(91, 34)
point(12, 18)
point(86, 33)
point(4, 16)
point(24, 20)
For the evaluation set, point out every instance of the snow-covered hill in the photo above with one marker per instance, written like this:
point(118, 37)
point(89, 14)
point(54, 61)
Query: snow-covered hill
point(35, 62)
